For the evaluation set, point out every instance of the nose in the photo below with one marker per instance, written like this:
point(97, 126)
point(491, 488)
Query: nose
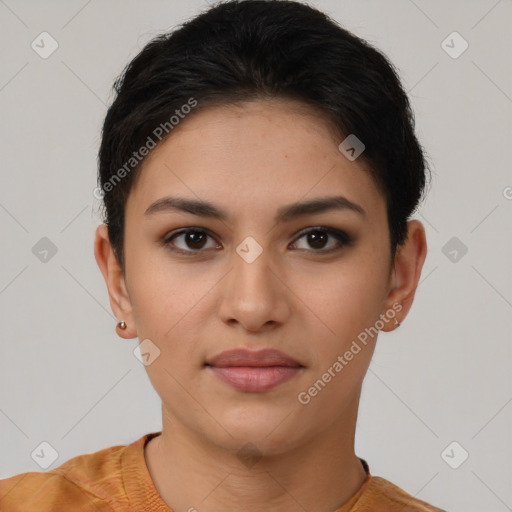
point(253, 294)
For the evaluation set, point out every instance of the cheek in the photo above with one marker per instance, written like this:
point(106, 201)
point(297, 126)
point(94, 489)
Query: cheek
point(345, 296)
point(347, 305)
point(165, 297)
point(346, 300)
point(169, 310)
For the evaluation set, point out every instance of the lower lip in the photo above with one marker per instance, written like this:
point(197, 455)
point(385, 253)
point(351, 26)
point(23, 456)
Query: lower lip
point(255, 379)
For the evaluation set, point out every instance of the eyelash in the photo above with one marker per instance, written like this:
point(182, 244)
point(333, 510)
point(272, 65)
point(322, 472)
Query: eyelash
point(341, 236)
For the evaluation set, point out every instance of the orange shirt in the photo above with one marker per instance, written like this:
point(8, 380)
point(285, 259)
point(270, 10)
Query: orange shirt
point(116, 479)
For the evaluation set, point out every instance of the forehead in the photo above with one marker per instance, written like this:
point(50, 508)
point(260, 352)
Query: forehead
point(252, 156)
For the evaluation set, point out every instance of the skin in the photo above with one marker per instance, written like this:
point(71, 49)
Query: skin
point(250, 160)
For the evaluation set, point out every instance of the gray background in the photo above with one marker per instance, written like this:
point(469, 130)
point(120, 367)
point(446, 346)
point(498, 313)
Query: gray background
point(443, 376)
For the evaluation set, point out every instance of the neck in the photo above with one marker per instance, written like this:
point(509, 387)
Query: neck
point(192, 473)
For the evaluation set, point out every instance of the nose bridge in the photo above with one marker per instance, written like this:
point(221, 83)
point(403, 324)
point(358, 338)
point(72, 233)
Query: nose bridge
point(254, 296)
point(252, 268)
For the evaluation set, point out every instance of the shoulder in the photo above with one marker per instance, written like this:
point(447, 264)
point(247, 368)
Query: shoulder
point(382, 495)
point(91, 481)
point(38, 491)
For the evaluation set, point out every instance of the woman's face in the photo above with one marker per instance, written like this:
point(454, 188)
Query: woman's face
point(254, 279)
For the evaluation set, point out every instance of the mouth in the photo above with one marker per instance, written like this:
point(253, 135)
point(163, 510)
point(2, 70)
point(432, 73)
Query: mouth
point(253, 372)
point(255, 379)
point(244, 357)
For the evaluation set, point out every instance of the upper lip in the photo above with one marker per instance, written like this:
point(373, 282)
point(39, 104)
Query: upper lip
point(244, 357)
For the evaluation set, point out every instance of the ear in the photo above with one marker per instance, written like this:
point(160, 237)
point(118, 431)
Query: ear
point(115, 281)
point(406, 273)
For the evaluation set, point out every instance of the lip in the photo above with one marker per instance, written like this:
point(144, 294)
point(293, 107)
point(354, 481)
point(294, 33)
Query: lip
point(243, 357)
point(253, 371)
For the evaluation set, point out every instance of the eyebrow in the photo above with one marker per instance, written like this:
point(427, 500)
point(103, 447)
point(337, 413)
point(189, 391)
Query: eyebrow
point(284, 214)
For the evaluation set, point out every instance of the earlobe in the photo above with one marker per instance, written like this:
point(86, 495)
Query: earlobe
point(115, 281)
point(408, 264)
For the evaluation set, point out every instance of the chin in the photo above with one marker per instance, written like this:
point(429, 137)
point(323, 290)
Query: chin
point(265, 430)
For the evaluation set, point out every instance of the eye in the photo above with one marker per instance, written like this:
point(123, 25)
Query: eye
point(192, 240)
point(318, 237)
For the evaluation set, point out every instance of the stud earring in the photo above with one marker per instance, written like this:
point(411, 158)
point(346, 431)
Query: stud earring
point(122, 325)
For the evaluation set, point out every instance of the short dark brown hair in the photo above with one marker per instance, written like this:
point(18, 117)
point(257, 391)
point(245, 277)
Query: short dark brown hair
point(238, 51)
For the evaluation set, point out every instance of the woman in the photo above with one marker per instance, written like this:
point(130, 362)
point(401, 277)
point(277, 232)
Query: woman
point(258, 168)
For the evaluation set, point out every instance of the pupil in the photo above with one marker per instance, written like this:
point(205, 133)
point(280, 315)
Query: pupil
point(195, 238)
point(314, 238)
